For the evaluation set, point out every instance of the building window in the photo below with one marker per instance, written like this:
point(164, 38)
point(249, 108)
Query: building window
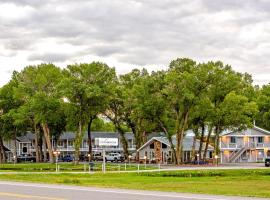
point(60, 143)
point(164, 146)
point(152, 146)
point(70, 143)
point(233, 140)
point(260, 139)
point(130, 143)
point(210, 154)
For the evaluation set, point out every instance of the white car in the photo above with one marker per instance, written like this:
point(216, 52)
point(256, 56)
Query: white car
point(114, 157)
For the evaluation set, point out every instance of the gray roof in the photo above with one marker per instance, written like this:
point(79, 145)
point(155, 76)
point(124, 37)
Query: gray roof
point(187, 143)
point(255, 130)
point(71, 135)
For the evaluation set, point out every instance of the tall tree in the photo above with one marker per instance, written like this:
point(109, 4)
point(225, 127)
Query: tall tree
point(37, 86)
point(87, 88)
point(263, 101)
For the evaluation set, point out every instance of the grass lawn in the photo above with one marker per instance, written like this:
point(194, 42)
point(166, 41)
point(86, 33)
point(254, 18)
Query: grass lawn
point(36, 167)
point(255, 183)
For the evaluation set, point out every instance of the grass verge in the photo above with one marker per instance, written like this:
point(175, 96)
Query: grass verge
point(66, 167)
point(253, 183)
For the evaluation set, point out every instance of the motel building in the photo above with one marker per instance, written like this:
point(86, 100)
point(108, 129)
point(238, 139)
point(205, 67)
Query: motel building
point(251, 145)
point(65, 144)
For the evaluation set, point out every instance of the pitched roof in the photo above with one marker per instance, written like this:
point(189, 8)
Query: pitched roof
point(249, 131)
point(187, 143)
point(71, 135)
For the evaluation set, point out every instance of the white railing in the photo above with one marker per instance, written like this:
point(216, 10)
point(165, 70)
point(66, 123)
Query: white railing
point(247, 145)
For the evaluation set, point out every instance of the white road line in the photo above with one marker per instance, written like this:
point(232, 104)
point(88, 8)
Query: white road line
point(109, 191)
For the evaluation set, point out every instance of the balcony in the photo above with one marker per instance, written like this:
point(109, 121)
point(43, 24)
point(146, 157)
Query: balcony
point(241, 145)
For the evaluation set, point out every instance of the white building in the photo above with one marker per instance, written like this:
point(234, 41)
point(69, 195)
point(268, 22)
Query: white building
point(251, 145)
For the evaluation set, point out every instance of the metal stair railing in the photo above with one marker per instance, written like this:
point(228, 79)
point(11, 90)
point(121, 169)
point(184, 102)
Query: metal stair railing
point(237, 154)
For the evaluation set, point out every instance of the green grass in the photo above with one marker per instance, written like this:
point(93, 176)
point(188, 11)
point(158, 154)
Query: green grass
point(255, 183)
point(66, 167)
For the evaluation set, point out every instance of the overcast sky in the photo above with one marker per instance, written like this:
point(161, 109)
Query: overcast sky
point(135, 33)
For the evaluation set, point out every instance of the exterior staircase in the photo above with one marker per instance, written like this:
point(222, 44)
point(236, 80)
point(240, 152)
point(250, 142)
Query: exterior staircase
point(235, 156)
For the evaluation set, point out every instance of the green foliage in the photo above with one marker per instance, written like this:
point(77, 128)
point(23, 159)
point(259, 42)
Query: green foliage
point(187, 95)
point(263, 101)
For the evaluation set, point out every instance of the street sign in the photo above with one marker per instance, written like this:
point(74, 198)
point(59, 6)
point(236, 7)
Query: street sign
point(106, 141)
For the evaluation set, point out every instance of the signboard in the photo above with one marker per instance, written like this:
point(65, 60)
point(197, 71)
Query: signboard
point(106, 141)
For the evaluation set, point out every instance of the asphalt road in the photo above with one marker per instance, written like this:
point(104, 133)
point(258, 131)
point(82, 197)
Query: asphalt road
point(32, 191)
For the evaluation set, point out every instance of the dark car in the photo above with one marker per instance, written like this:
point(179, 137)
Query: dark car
point(267, 162)
point(68, 158)
point(26, 158)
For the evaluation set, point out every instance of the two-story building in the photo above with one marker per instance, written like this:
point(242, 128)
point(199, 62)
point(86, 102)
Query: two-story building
point(65, 144)
point(251, 145)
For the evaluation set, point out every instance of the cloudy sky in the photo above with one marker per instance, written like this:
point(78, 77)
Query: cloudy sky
point(135, 33)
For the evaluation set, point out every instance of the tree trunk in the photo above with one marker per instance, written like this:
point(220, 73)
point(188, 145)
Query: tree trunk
point(15, 149)
point(201, 142)
point(47, 136)
point(2, 151)
point(193, 151)
point(181, 138)
point(78, 142)
point(174, 159)
point(178, 139)
point(173, 149)
point(207, 143)
point(36, 144)
point(123, 140)
point(45, 158)
point(217, 140)
point(90, 152)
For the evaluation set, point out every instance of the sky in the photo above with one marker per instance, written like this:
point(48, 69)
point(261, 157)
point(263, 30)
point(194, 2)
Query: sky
point(129, 34)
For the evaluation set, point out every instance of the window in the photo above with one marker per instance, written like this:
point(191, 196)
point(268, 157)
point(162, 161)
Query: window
point(260, 139)
point(70, 143)
point(152, 146)
point(233, 140)
point(130, 143)
point(60, 143)
point(164, 146)
point(210, 154)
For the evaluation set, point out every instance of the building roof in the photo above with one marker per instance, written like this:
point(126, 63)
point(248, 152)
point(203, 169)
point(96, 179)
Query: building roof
point(255, 130)
point(187, 143)
point(71, 135)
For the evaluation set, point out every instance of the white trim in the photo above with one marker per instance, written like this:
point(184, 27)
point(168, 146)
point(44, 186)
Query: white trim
point(149, 141)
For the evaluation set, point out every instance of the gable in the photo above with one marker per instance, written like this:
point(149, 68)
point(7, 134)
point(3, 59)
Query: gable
point(255, 131)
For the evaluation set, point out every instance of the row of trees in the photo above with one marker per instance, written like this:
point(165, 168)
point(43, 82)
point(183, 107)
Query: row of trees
point(205, 97)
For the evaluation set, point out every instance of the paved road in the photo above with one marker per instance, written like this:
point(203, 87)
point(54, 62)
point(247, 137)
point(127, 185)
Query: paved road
point(31, 191)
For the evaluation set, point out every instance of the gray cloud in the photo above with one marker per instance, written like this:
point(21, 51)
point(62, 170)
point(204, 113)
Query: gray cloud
point(141, 33)
point(49, 57)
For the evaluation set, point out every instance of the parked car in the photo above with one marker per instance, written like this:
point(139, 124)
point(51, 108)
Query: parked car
point(267, 162)
point(114, 157)
point(26, 158)
point(97, 157)
point(68, 158)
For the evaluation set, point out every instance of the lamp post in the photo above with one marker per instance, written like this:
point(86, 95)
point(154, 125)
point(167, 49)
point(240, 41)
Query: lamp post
point(198, 158)
point(89, 155)
point(216, 158)
point(14, 159)
point(145, 159)
point(129, 157)
point(56, 154)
